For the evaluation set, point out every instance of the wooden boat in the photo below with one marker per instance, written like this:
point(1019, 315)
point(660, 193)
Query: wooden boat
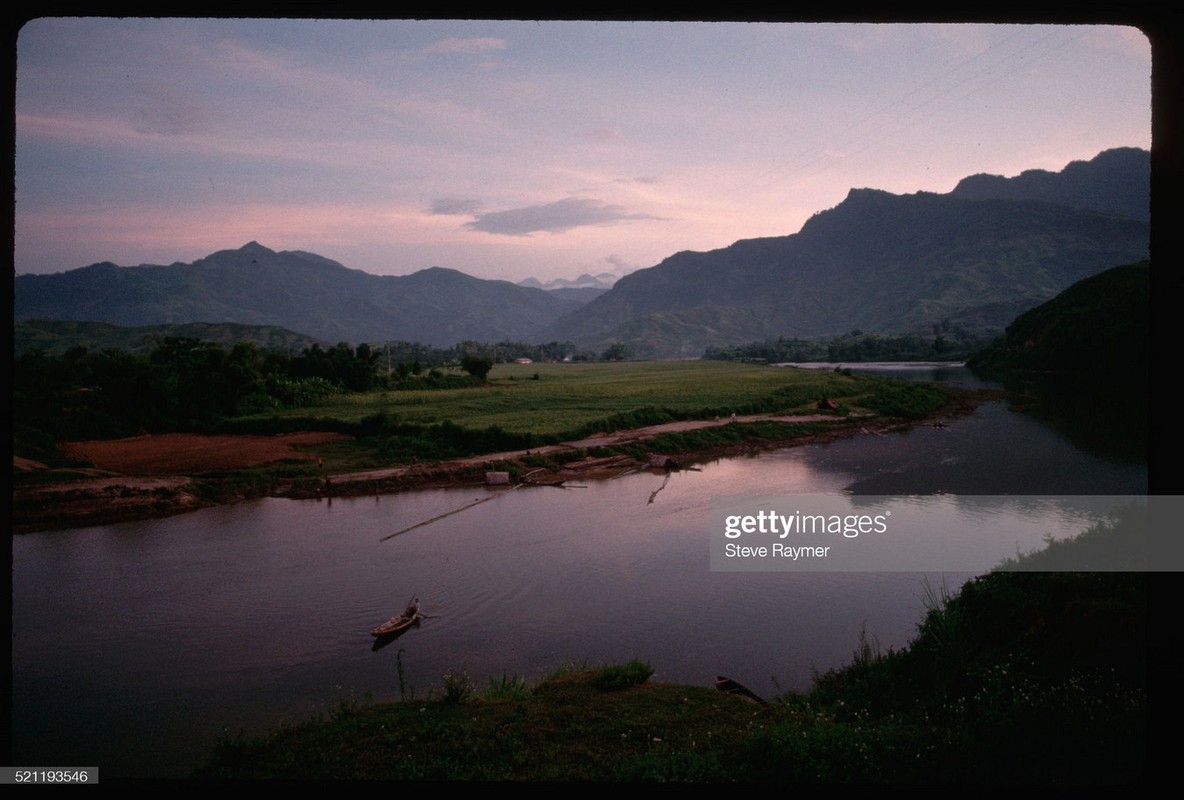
point(397, 625)
point(732, 687)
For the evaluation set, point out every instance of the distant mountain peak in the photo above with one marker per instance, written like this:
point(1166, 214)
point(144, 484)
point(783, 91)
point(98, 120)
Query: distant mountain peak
point(249, 253)
point(604, 280)
point(253, 248)
point(442, 273)
point(884, 262)
point(437, 306)
point(1116, 181)
point(867, 194)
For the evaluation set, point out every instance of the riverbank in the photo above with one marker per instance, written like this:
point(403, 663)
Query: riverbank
point(149, 477)
point(1016, 678)
point(598, 457)
point(567, 730)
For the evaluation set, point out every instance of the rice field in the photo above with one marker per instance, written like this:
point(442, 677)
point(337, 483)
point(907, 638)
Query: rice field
point(564, 397)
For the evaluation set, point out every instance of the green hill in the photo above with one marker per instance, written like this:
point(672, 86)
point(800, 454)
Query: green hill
point(1082, 362)
point(1098, 326)
point(55, 337)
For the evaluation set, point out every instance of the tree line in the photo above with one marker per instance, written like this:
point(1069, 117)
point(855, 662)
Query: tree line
point(948, 342)
point(188, 384)
point(181, 384)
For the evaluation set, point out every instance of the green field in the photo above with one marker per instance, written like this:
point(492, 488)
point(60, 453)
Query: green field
point(566, 397)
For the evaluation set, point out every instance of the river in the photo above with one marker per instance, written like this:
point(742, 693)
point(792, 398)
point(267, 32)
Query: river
point(135, 645)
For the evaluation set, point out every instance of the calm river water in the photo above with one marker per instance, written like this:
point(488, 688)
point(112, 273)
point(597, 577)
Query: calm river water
point(135, 645)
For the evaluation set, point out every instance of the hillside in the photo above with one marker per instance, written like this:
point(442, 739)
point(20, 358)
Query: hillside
point(1115, 182)
point(883, 263)
point(57, 336)
point(1082, 362)
point(1097, 325)
point(301, 291)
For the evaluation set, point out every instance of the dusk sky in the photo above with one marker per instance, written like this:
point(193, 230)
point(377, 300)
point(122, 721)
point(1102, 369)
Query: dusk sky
point(517, 149)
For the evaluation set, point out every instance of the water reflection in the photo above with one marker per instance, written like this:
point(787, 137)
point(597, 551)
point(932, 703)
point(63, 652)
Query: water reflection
point(251, 615)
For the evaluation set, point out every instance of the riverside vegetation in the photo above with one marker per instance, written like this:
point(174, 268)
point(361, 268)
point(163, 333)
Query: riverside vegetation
point(518, 407)
point(1019, 677)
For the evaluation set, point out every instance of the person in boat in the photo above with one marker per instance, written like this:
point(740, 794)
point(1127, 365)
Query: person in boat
point(412, 608)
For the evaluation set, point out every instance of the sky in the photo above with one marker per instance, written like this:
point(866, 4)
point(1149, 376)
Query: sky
point(515, 149)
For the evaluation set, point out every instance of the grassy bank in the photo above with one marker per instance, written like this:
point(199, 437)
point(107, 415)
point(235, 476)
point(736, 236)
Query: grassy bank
point(568, 402)
point(524, 408)
point(567, 398)
point(1016, 678)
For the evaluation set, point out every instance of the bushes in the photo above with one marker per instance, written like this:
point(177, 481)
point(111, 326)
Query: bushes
point(622, 676)
point(507, 687)
point(638, 418)
point(477, 366)
point(394, 440)
point(906, 400)
point(1017, 676)
point(299, 392)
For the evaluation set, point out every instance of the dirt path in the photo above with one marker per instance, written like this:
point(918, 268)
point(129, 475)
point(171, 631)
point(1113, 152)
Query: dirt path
point(144, 476)
point(631, 436)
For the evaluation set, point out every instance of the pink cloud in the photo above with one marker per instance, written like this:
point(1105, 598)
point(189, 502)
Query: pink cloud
point(454, 45)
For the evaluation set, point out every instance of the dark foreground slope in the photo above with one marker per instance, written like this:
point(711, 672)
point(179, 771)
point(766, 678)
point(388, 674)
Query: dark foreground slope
point(1082, 360)
point(1098, 326)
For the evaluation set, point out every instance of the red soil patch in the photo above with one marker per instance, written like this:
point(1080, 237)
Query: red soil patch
point(181, 453)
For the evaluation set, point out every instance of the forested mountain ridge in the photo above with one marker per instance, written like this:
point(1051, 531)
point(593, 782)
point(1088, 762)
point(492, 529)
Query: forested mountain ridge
point(1116, 181)
point(297, 290)
point(975, 258)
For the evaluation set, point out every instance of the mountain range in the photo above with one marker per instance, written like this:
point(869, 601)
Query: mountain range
point(583, 289)
point(975, 257)
point(879, 262)
point(296, 290)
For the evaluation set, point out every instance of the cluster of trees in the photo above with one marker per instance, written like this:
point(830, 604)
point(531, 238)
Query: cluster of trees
point(184, 383)
point(181, 384)
point(406, 362)
point(774, 351)
point(497, 352)
point(948, 342)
